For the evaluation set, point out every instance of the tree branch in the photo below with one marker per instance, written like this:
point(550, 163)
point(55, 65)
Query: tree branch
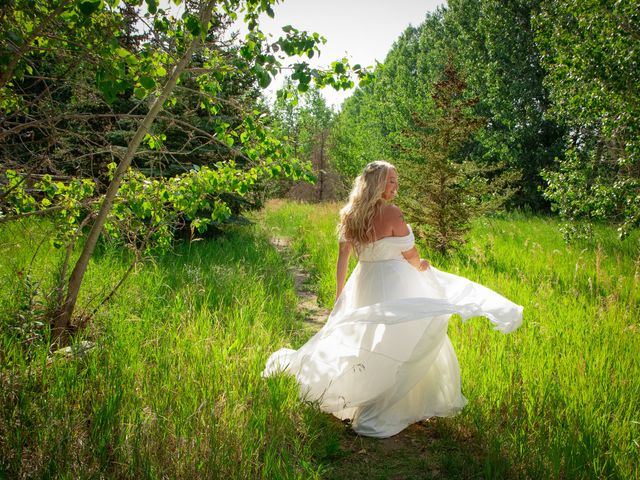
point(15, 58)
point(63, 320)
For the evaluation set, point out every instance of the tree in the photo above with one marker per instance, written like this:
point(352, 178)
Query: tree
point(80, 42)
point(371, 121)
point(590, 52)
point(441, 190)
point(304, 121)
point(495, 48)
point(355, 137)
point(492, 46)
point(314, 121)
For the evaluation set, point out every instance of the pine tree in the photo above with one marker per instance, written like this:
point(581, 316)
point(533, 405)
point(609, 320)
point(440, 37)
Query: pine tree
point(444, 192)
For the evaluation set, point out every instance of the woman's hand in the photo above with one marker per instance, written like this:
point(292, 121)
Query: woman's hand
point(413, 257)
point(424, 265)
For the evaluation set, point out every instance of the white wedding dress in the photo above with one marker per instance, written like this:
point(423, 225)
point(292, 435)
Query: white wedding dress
point(383, 359)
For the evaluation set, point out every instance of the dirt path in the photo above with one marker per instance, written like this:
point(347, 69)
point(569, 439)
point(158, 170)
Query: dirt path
point(312, 313)
point(438, 448)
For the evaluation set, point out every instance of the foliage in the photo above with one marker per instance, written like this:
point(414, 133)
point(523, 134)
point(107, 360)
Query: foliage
point(66, 204)
point(556, 83)
point(354, 139)
point(492, 44)
point(146, 211)
point(590, 53)
point(495, 47)
point(75, 82)
point(303, 122)
point(442, 190)
point(371, 120)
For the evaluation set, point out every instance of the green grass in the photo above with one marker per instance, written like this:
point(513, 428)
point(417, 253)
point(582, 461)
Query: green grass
point(313, 235)
point(173, 387)
point(559, 398)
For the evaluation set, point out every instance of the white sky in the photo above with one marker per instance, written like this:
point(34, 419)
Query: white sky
point(361, 30)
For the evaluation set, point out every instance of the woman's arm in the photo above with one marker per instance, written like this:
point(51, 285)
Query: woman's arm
point(400, 228)
point(341, 266)
point(413, 257)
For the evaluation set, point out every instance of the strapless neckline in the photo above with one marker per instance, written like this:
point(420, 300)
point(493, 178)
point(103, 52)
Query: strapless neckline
point(395, 236)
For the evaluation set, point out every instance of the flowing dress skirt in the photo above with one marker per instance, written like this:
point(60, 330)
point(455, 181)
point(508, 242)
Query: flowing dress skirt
point(383, 359)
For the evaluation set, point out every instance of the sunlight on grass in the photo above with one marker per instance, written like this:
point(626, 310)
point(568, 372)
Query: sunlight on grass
point(173, 387)
point(560, 397)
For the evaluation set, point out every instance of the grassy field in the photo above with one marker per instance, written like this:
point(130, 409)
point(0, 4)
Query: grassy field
point(559, 398)
point(173, 387)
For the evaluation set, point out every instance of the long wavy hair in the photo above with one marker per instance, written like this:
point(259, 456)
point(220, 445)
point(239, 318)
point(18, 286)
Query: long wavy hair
point(365, 201)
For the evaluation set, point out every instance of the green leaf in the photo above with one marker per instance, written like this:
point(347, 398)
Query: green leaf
point(193, 25)
point(147, 82)
point(152, 5)
point(88, 7)
point(140, 92)
point(161, 25)
point(264, 79)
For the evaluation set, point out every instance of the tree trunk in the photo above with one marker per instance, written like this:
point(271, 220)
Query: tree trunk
point(63, 319)
point(321, 166)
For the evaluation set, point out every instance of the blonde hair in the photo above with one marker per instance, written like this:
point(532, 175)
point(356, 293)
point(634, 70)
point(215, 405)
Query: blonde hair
point(365, 201)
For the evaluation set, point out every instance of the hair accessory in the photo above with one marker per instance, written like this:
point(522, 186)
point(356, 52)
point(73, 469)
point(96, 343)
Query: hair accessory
point(372, 167)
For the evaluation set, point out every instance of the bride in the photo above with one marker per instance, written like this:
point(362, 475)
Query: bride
point(383, 359)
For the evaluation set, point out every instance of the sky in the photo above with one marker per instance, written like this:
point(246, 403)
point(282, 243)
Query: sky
point(361, 30)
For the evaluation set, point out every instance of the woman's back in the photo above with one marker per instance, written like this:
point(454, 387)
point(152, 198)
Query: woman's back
point(389, 222)
point(387, 248)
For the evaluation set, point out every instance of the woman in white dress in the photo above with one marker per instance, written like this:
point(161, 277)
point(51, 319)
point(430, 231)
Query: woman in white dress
point(383, 359)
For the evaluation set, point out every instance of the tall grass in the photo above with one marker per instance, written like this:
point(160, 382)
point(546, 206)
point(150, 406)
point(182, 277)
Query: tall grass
point(559, 398)
point(173, 387)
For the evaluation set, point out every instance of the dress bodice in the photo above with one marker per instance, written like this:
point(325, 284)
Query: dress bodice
point(387, 248)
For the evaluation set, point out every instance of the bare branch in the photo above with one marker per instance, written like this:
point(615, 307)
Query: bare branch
point(65, 116)
point(44, 211)
point(26, 45)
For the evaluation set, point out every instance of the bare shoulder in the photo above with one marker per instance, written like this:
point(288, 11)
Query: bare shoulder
point(390, 210)
point(393, 217)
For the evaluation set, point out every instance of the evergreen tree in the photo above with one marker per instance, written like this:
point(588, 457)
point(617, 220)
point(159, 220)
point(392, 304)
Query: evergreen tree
point(441, 190)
